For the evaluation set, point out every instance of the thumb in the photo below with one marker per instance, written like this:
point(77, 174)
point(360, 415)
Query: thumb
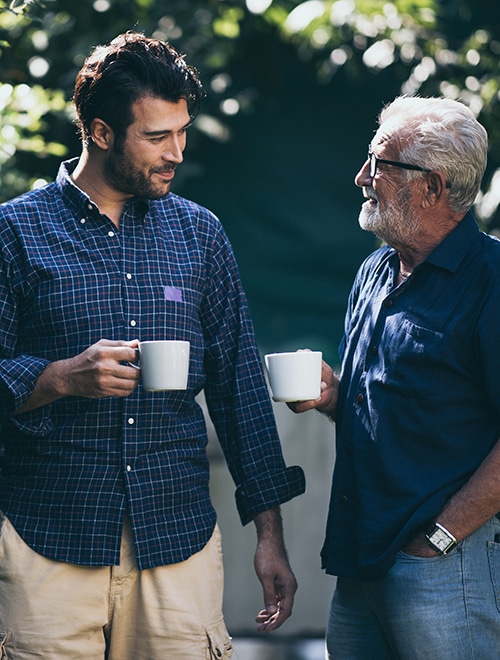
point(270, 601)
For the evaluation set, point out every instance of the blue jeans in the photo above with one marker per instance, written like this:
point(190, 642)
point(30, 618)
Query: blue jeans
point(440, 607)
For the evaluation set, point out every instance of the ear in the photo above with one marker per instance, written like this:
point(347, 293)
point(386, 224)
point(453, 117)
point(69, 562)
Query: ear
point(101, 134)
point(434, 189)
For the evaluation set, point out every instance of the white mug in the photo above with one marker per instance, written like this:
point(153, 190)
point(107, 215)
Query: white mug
point(294, 376)
point(164, 365)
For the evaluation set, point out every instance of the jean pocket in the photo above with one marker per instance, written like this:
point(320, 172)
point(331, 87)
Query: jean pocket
point(219, 642)
point(494, 563)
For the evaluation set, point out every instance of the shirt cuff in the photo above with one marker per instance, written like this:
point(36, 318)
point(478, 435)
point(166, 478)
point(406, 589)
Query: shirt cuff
point(268, 491)
point(19, 377)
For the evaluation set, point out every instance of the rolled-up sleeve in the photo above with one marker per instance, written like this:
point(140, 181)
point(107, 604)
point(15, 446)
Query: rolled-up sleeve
point(18, 379)
point(237, 395)
point(18, 373)
point(268, 490)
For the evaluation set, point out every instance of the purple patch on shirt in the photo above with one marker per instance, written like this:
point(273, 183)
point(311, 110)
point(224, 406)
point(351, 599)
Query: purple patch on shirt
point(171, 293)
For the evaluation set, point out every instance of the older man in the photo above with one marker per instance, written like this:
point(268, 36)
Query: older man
point(412, 529)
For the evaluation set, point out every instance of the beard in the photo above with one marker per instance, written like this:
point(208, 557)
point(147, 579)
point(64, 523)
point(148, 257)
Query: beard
point(397, 224)
point(122, 175)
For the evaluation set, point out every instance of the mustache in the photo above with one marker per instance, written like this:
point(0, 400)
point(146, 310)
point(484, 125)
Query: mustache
point(369, 193)
point(169, 167)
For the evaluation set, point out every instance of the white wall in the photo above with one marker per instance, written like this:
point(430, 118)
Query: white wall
point(308, 441)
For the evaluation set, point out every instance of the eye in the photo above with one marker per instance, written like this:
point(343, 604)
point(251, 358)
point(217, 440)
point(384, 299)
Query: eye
point(156, 139)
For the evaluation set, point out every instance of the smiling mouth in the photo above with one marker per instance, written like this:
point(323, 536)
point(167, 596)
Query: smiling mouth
point(369, 197)
point(167, 174)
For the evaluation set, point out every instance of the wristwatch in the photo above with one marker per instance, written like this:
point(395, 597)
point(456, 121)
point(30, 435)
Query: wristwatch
point(440, 539)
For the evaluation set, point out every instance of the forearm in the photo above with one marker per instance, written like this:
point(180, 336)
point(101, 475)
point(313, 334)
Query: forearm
point(269, 526)
point(477, 501)
point(273, 570)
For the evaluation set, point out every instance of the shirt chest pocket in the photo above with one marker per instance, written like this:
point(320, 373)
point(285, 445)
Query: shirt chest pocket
point(414, 359)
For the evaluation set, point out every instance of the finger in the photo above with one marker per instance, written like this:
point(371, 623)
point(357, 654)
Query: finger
point(116, 342)
point(303, 406)
point(268, 622)
point(275, 611)
point(269, 625)
point(123, 353)
point(269, 592)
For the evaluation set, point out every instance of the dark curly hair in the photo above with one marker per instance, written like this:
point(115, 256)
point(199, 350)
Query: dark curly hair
point(130, 67)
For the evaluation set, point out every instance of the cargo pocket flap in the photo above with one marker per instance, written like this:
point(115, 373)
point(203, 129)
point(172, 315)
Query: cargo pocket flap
point(219, 642)
point(3, 645)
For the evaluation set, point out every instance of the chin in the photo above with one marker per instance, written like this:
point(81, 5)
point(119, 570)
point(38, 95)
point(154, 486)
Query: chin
point(369, 220)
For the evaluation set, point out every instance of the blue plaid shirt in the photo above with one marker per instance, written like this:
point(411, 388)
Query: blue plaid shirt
point(69, 277)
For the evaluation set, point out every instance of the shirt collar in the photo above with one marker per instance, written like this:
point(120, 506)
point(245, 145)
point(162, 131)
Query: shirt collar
point(452, 250)
point(79, 202)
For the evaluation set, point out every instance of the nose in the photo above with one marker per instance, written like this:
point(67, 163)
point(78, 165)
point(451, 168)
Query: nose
point(174, 149)
point(363, 178)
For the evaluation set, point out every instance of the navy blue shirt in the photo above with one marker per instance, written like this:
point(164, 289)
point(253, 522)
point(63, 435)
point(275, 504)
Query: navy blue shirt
point(69, 277)
point(419, 400)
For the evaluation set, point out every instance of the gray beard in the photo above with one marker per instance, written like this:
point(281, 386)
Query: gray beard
point(398, 224)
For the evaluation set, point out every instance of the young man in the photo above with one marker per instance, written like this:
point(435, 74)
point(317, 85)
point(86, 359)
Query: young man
point(412, 532)
point(108, 541)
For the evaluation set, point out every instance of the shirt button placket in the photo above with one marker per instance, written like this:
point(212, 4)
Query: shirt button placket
point(130, 423)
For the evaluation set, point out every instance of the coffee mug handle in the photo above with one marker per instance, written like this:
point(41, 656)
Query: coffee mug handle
point(133, 364)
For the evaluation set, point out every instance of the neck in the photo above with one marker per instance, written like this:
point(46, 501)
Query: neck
point(88, 176)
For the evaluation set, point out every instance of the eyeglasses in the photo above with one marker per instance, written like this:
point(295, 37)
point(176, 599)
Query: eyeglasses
point(374, 161)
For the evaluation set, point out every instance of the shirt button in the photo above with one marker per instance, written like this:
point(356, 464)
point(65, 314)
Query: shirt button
point(128, 276)
point(388, 303)
point(133, 323)
point(83, 221)
point(111, 234)
point(131, 421)
point(343, 499)
point(89, 206)
point(360, 398)
point(129, 468)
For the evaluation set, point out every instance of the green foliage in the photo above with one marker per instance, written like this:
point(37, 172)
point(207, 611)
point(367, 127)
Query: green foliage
point(448, 48)
point(22, 126)
point(426, 47)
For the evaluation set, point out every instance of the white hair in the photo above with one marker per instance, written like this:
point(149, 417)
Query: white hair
point(443, 135)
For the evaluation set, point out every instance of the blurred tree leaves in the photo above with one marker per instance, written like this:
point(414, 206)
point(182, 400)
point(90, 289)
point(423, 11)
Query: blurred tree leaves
point(426, 47)
point(293, 90)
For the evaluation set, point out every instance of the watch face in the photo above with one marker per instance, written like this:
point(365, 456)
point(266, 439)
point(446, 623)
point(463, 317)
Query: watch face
point(440, 539)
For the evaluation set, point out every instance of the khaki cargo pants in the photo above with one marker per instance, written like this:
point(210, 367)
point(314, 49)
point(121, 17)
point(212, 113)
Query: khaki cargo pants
point(59, 611)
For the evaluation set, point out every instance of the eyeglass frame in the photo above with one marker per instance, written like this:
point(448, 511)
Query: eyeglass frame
point(372, 158)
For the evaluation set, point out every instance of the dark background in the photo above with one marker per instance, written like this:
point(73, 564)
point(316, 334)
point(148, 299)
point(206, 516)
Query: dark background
point(280, 171)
